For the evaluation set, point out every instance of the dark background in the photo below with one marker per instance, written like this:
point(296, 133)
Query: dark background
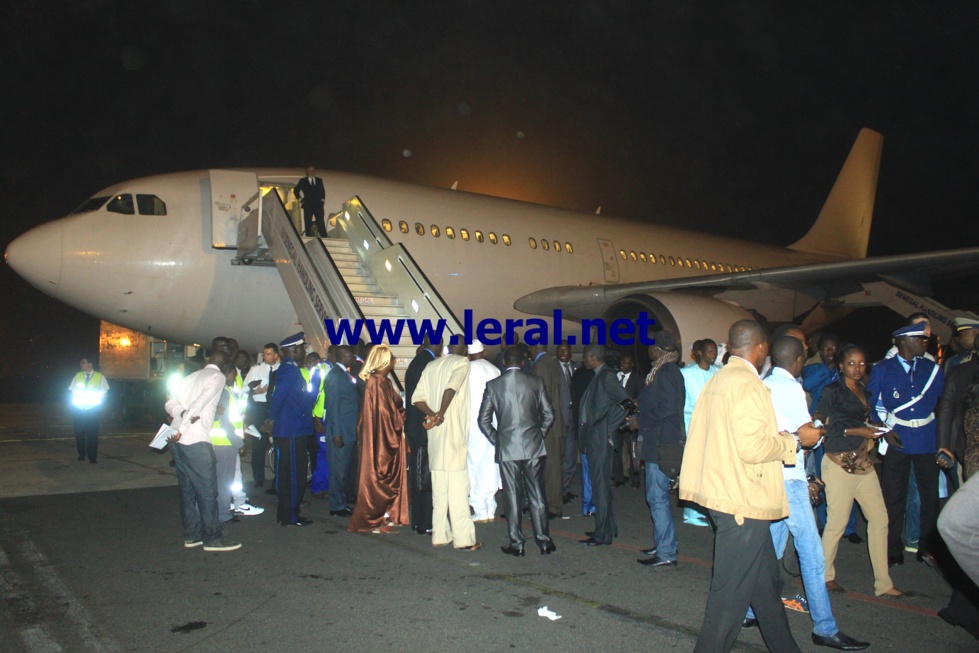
point(731, 118)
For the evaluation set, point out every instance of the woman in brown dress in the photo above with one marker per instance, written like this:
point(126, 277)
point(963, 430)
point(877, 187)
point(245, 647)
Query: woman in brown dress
point(382, 499)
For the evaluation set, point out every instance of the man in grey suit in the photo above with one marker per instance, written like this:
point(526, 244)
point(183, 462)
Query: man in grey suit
point(523, 416)
point(599, 415)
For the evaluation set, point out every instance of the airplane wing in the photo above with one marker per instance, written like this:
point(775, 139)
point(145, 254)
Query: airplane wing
point(911, 272)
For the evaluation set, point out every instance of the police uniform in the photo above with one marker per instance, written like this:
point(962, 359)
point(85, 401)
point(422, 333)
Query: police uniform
point(87, 392)
point(290, 409)
point(893, 384)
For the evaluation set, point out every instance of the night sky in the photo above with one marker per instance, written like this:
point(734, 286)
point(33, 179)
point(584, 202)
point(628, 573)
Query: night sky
point(731, 118)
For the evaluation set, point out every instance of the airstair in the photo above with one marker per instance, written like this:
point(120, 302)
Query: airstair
point(356, 274)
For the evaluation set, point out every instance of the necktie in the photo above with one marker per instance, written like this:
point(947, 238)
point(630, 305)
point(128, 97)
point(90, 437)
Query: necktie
point(911, 370)
point(567, 371)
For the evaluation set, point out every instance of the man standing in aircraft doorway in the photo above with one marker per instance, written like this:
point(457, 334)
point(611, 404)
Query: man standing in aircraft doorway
point(312, 195)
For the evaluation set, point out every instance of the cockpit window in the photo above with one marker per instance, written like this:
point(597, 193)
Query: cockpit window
point(121, 204)
point(92, 204)
point(153, 205)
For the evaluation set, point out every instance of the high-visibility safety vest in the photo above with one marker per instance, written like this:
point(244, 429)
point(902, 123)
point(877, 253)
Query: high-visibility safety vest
point(87, 394)
point(317, 377)
point(219, 438)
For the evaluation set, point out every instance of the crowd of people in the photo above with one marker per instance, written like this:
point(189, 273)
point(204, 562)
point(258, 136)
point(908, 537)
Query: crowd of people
point(759, 439)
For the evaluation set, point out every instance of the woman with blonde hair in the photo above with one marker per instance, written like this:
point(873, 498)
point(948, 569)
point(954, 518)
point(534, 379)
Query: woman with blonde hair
point(382, 499)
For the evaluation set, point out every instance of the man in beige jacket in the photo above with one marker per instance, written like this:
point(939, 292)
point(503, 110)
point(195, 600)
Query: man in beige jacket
point(732, 466)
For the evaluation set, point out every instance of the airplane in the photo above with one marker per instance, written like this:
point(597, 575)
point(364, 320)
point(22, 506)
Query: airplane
point(160, 255)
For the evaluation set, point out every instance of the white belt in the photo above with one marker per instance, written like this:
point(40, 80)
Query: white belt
point(914, 423)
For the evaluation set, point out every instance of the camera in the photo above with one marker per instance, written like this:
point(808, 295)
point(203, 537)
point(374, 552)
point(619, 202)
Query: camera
point(629, 408)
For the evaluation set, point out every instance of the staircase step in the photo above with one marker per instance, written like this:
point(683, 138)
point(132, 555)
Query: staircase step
point(345, 257)
point(388, 312)
point(358, 279)
point(367, 299)
point(361, 288)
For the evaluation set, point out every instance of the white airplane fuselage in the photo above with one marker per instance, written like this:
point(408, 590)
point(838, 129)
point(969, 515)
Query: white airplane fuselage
point(160, 274)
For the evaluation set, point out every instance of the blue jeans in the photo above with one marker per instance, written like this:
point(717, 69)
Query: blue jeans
point(587, 502)
point(198, 483)
point(809, 546)
point(658, 500)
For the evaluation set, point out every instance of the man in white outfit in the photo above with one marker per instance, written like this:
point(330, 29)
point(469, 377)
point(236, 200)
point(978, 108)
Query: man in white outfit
point(484, 472)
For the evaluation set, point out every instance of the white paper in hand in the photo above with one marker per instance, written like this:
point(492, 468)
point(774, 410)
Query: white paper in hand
point(160, 439)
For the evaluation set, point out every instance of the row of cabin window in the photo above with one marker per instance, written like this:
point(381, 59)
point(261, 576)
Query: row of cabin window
point(681, 262)
point(477, 235)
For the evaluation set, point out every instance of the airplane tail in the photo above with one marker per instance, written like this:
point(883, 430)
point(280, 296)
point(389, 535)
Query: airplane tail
point(842, 229)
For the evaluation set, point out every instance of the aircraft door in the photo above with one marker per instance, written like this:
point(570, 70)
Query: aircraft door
point(230, 191)
point(609, 262)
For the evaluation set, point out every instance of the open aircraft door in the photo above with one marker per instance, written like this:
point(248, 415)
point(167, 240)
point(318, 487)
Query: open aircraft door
point(230, 190)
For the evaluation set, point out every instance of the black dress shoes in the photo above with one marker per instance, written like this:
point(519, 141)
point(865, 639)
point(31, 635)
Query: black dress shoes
point(895, 560)
point(840, 641)
point(591, 541)
point(346, 512)
point(657, 563)
point(853, 538)
point(512, 551)
point(548, 549)
point(750, 622)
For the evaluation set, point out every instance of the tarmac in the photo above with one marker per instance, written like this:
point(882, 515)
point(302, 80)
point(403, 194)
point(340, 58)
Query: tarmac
point(92, 559)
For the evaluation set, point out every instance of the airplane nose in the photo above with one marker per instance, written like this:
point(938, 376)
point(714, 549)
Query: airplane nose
point(36, 256)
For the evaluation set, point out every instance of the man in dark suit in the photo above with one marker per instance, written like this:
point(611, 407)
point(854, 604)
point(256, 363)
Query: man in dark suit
point(627, 463)
point(523, 415)
point(599, 415)
point(580, 381)
point(546, 368)
point(312, 195)
point(419, 477)
point(340, 427)
point(569, 440)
